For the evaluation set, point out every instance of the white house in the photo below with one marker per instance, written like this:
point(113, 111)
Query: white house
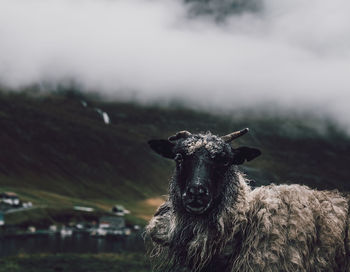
point(10, 198)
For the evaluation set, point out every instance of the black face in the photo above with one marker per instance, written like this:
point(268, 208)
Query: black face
point(202, 163)
point(199, 178)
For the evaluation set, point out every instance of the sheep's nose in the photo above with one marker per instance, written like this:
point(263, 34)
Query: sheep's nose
point(196, 199)
point(197, 191)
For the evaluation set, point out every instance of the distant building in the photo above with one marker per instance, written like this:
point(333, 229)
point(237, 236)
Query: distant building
point(120, 210)
point(113, 222)
point(84, 209)
point(10, 198)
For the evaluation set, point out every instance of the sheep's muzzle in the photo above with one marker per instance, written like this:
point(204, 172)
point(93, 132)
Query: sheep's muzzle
point(196, 199)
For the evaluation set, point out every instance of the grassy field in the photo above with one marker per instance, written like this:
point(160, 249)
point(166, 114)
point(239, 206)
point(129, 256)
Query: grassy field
point(126, 262)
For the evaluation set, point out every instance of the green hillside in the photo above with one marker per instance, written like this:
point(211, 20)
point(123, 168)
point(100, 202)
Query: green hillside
point(130, 262)
point(57, 152)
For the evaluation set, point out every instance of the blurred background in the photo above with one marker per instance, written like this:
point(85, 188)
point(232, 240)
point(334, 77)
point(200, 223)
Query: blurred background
point(84, 84)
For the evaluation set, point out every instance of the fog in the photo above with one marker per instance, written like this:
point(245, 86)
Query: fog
point(294, 54)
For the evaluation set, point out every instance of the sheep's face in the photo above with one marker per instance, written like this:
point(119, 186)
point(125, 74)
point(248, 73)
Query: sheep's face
point(202, 164)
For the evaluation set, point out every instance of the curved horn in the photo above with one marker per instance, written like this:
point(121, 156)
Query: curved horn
point(179, 135)
point(234, 135)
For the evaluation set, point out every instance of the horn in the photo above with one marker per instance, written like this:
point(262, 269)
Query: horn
point(179, 135)
point(234, 135)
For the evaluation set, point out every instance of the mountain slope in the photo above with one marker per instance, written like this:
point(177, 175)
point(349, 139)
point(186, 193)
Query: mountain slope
point(56, 149)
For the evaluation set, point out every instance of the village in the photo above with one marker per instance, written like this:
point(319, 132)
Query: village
point(111, 224)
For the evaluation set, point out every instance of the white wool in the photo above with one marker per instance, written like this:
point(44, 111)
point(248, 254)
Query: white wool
point(281, 228)
point(206, 140)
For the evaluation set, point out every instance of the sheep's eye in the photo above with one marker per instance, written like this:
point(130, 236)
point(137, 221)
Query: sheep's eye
point(178, 158)
point(223, 160)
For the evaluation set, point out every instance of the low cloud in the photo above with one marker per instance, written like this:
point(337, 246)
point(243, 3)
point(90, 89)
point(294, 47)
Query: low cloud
point(291, 53)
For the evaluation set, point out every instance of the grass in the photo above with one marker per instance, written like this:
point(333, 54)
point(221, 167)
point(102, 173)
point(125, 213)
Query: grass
point(125, 262)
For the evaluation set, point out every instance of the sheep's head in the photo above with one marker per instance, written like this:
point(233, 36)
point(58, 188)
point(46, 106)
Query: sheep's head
point(202, 164)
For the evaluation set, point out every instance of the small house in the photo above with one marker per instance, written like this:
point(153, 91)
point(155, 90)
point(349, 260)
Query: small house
point(112, 222)
point(120, 210)
point(10, 198)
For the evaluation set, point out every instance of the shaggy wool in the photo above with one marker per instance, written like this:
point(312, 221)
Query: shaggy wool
point(271, 228)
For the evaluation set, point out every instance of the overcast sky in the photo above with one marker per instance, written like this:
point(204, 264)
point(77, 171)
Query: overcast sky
point(293, 53)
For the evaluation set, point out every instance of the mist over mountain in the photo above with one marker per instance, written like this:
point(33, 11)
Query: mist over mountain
point(221, 9)
point(225, 55)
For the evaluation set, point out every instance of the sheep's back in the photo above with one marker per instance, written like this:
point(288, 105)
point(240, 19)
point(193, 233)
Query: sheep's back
point(295, 228)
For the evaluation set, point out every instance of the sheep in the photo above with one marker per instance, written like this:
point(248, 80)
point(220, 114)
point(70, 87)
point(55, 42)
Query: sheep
point(214, 221)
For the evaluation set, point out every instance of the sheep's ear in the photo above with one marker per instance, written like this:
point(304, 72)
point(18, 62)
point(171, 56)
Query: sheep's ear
point(244, 153)
point(163, 148)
